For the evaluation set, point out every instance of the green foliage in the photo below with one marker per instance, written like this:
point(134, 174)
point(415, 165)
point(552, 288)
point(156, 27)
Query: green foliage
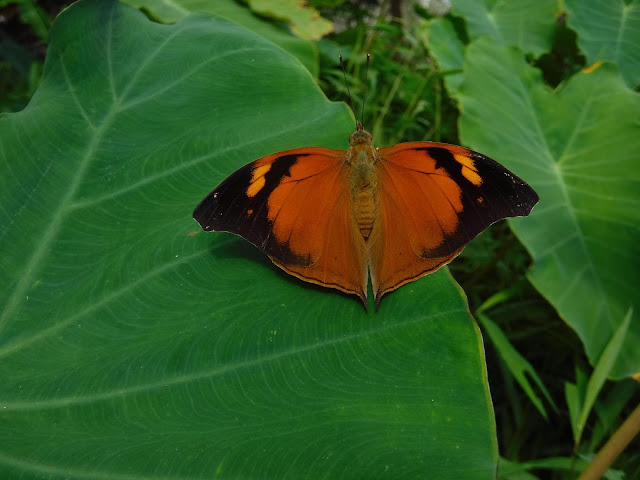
point(569, 145)
point(580, 160)
point(175, 10)
point(582, 396)
point(609, 30)
point(136, 345)
point(563, 139)
point(526, 24)
point(516, 363)
point(303, 20)
point(20, 75)
point(583, 230)
point(32, 14)
point(20, 71)
point(404, 99)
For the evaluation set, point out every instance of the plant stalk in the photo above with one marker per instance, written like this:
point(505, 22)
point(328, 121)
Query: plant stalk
point(616, 444)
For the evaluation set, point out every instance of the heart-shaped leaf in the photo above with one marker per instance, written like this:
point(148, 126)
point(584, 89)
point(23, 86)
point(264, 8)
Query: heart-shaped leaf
point(176, 10)
point(577, 147)
point(134, 345)
point(527, 24)
point(609, 30)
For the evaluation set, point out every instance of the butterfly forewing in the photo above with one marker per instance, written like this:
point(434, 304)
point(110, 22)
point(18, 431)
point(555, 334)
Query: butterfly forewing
point(294, 207)
point(250, 202)
point(462, 190)
point(434, 199)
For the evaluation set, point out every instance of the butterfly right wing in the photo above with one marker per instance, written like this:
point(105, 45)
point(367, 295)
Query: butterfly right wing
point(434, 198)
point(296, 207)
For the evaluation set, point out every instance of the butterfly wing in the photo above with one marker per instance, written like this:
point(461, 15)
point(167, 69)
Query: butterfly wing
point(434, 198)
point(295, 206)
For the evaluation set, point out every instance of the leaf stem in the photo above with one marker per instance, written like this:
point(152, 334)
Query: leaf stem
point(616, 444)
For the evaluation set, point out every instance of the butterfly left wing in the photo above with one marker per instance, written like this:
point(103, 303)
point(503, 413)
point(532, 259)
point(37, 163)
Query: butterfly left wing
point(434, 198)
point(294, 206)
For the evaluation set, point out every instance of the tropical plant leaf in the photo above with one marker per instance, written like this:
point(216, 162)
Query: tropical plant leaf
point(609, 30)
point(582, 161)
point(609, 409)
point(597, 379)
point(527, 24)
point(518, 365)
point(448, 50)
point(175, 10)
point(304, 20)
point(134, 345)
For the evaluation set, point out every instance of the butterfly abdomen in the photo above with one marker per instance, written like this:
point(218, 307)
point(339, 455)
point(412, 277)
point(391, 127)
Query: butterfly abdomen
point(361, 157)
point(364, 211)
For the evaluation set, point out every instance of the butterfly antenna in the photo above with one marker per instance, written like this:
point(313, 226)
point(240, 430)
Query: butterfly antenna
point(364, 96)
point(344, 72)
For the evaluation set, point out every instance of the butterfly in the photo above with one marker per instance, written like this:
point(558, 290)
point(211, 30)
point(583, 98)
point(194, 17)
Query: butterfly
point(335, 217)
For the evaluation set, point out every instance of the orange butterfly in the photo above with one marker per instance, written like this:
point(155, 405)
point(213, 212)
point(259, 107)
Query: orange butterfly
point(334, 217)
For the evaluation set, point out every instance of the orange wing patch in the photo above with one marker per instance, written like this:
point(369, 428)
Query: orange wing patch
point(434, 198)
point(395, 260)
point(427, 194)
point(294, 206)
point(301, 204)
point(338, 250)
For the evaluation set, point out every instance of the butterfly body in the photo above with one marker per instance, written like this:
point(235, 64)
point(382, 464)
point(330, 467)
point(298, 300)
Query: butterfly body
point(335, 217)
point(361, 159)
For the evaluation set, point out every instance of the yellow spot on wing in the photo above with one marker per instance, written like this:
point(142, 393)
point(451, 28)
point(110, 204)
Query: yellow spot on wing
point(257, 180)
point(472, 176)
point(469, 169)
point(465, 161)
point(260, 171)
point(255, 187)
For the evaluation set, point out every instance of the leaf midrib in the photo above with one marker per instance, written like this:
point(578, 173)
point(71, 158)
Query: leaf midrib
point(558, 174)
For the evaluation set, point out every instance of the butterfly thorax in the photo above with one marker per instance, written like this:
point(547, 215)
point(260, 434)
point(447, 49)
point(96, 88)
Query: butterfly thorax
point(363, 180)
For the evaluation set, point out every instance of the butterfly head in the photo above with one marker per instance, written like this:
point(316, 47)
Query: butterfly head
point(360, 135)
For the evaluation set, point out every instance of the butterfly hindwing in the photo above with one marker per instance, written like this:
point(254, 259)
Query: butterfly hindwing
point(341, 261)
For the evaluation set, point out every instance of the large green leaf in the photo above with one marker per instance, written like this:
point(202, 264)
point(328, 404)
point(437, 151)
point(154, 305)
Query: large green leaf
point(448, 49)
point(609, 30)
point(527, 24)
point(303, 19)
point(578, 148)
point(175, 10)
point(134, 345)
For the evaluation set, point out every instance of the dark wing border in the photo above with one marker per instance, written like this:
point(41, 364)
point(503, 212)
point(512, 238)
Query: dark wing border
point(229, 208)
point(502, 194)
